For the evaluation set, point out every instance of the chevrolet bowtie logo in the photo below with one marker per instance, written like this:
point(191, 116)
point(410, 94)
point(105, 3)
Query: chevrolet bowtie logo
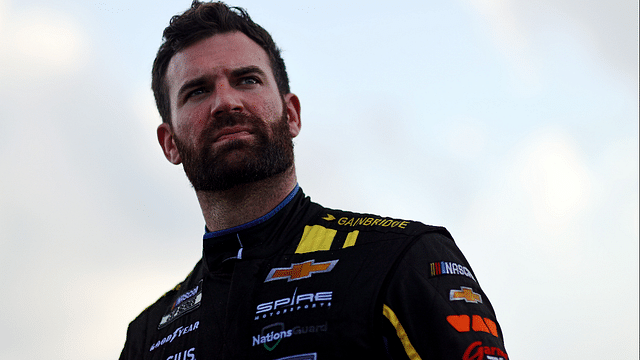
point(466, 294)
point(301, 270)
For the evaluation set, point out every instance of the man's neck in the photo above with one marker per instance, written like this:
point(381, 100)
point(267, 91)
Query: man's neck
point(244, 203)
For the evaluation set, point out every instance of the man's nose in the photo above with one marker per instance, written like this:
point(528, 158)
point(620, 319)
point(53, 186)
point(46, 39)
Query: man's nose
point(227, 99)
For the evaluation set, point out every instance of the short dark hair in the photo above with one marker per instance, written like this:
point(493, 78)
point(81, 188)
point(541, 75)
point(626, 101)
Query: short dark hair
point(201, 21)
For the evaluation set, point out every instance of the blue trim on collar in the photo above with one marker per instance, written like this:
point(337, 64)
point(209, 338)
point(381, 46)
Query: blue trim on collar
point(260, 220)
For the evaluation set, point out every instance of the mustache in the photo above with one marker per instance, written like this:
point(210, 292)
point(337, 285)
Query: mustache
point(228, 119)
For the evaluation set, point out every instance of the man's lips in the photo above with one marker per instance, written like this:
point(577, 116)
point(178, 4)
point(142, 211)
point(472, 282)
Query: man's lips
point(234, 132)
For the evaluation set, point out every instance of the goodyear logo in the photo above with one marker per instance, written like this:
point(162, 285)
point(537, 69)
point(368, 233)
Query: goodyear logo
point(466, 294)
point(176, 334)
point(302, 270)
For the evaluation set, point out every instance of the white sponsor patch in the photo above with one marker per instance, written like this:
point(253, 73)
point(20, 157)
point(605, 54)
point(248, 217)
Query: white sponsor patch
point(294, 303)
point(176, 334)
point(186, 302)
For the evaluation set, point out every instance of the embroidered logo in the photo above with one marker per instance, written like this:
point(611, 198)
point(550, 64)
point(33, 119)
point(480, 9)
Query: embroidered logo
point(301, 270)
point(273, 334)
point(185, 303)
point(476, 351)
point(466, 294)
point(298, 302)
point(329, 217)
point(464, 323)
point(182, 330)
point(450, 268)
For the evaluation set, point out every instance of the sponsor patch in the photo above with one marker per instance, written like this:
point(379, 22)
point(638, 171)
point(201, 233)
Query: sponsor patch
point(310, 356)
point(370, 221)
point(184, 355)
point(464, 323)
point(297, 302)
point(476, 351)
point(450, 268)
point(329, 217)
point(302, 270)
point(466, 294)
point(272, 335)
point(182, 330)
point(186, 302)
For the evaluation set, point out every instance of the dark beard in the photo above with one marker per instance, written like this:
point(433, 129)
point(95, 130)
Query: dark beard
point(210, 170)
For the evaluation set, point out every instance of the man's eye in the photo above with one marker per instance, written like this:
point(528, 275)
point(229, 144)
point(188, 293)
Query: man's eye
point(249, 81)
point(195, 92)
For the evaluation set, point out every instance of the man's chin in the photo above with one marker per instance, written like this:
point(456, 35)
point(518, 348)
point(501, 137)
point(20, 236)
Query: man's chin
point(236, 156)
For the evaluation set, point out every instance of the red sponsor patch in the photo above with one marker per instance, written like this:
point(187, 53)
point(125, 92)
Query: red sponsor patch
point(476, 351)
point(466, 323)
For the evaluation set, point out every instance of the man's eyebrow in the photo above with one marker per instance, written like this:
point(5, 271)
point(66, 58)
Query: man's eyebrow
point(199, 81)
point(247, 70)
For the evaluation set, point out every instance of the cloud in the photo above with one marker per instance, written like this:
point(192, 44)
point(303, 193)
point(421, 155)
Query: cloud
point(611, 27)
point(609, 30)
point(40, 42)
point(512, 40)
point(554, 177)
point(467, 138)
point(541, 195)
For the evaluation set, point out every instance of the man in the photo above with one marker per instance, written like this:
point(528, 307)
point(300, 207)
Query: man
point(282, 277)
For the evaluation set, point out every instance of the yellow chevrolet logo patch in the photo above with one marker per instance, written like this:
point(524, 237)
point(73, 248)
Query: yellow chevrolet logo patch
point(301, 270)
point(466, 294)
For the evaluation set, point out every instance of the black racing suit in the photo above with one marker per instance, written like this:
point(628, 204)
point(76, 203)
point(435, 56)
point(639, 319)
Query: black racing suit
point(307, 282)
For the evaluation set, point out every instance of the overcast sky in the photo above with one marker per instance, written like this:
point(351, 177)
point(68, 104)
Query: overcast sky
point(513, 123)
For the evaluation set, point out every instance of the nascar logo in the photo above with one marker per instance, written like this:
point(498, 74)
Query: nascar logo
point(301, 270)
point(183, 304)
point(450, 268)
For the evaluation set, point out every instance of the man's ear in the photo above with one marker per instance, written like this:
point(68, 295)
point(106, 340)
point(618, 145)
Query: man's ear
point(165, 138)
point(292, 104)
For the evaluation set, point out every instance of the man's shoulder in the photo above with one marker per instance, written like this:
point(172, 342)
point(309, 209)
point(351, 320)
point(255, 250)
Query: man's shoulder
point(158, 308)
point(333, 229)
point(342, 220)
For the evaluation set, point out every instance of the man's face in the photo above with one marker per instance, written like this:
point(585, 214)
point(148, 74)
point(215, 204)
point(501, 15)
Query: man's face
point(229, 123)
